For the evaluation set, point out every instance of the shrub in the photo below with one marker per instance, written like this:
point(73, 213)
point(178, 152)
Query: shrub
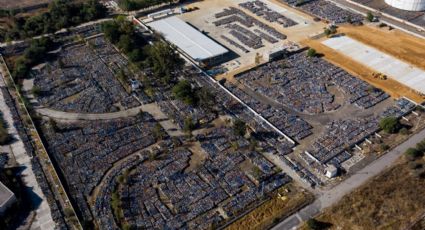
point(421, 146)
point(239, 127)
point(311, 52)
point(384, 147)
point(414, 165)
point(184, 92)
point(404, 131)
point(188, 125)
point(313, 224)
point(369, 16)
point(412, 154)
point(389, 124)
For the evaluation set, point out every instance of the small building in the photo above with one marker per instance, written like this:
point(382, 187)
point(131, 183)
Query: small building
point(160, 14)
point(195, 45)
point(135, 84)
point(276, 53)
point(331, 171)
point(7, 198)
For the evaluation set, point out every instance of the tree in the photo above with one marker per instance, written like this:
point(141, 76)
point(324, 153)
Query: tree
point(164, 61)
point(311, 52)
point(111, 31)
point(205, 98)
point(188, 125)
point(184, 92)
point(60, 14)
point(135, 55)
point(327, 32)
point(158, 132)
point(369, 16)
point(412, 153)
point(313, 224)
point(421, 146)
point(384, 147)
point(125, 43)
point(4, 135)
point(390, 124)
point(404, 131)
point(239, 127)
point(36, 91)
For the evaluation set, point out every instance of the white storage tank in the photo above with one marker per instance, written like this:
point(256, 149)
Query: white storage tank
point(411, 5)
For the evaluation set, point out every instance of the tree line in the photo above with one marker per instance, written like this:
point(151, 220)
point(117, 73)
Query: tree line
point(158, 56)
point(32, 55)
point(60, 14)
point(129, 5)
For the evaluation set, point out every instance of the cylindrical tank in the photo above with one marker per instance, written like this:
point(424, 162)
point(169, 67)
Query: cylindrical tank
point(411, 5)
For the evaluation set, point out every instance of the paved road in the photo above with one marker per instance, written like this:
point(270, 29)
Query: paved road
point(60, 115)
point(332, 196)
point(390, 21)
point(43, 218)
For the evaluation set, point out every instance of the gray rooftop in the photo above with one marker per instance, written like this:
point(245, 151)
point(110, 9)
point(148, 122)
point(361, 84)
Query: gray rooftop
point(197, 45)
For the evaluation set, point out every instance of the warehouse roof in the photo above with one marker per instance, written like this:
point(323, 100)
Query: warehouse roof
point(198, 46)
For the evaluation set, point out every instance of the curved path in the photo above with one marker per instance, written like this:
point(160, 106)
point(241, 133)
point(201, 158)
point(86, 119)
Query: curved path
point(60, 115)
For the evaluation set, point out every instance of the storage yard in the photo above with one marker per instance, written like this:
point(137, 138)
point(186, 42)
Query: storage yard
point(252, 29)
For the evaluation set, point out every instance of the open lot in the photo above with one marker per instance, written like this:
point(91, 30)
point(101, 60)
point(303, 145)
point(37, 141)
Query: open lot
point(394, 201)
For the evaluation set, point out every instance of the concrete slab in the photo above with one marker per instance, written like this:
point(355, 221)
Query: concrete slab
point(394, 68)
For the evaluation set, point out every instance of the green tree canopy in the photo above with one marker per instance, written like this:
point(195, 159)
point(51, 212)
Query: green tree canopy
point(412, 153)
point(390, 124)
point(239, 127)
point(164, 61)
point(311, 52)
point(184, 92)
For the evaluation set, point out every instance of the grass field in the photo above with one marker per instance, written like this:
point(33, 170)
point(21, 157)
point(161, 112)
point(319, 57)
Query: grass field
point(272, 211)
point(392, 200)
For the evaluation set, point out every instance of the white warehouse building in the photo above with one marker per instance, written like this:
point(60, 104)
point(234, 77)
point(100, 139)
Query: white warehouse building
point(197, 46)
point(411, 5)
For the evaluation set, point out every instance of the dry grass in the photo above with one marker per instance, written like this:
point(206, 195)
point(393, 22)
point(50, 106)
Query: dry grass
point(392, 200)
point(396, 43)
point(273, 210)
